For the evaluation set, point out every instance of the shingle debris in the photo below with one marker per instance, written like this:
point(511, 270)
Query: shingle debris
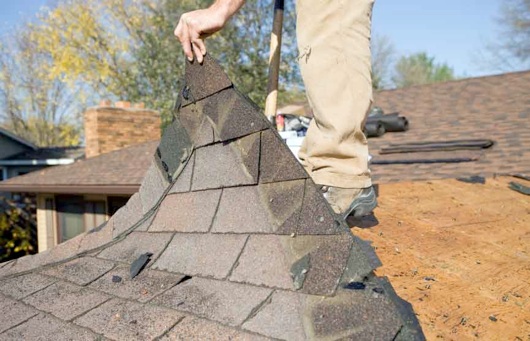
point(139, 264)
point(518, 187)
point(227, 238)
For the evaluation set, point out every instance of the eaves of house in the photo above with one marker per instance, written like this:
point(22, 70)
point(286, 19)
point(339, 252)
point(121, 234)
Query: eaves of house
point(117, 172)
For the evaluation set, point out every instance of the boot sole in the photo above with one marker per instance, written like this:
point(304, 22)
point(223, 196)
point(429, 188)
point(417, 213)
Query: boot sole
point(362, 207)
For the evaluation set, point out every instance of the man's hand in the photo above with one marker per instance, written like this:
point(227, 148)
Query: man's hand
point(195, 26)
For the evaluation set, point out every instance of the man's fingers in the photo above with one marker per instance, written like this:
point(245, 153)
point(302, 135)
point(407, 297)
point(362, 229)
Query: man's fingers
point(183, 35)
point(199, 48)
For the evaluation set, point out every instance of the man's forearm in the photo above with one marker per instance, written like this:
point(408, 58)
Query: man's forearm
point(227, 8)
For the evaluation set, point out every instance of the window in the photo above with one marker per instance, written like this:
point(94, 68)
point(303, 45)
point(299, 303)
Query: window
point(70, 215)
point(76, 215)
point(95, 214)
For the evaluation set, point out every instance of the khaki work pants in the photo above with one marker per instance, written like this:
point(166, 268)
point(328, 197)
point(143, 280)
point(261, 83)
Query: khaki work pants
point(335, 61)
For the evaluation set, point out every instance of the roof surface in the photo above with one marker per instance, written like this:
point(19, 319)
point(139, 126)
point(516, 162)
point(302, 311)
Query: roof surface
point(117, 172)
point(239, 242)
point(494, 107)
point(17, 138)
point(50, 153)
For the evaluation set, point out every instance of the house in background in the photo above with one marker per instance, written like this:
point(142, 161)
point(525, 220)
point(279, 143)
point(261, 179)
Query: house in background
point(84, 194)
point(19, 157)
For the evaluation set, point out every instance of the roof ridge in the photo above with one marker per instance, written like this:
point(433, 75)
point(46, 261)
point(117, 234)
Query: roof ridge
point(459, 80)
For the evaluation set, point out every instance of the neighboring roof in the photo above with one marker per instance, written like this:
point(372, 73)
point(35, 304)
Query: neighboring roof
point(48, 153)
point(493, 107)
point(238, 241)
point(118, 172)
point(17, 138)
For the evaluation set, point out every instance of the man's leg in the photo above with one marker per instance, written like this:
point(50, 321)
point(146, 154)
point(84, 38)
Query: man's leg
point(335, 61)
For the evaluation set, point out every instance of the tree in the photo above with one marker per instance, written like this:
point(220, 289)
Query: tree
point(419, 69)
point(18, 230)
point(511, 50)
point(34, 105)
point(382, 57)
point(125, 49)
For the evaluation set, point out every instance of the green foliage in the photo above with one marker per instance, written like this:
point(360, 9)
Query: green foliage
point(419, 69)
point(35, 104)
point(17, 229)
point(125, 49)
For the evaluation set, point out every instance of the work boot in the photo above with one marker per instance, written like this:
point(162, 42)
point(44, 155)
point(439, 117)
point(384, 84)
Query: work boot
point(356, 202)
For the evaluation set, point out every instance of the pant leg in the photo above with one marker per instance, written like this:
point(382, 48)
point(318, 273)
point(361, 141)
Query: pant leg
point(335, 62)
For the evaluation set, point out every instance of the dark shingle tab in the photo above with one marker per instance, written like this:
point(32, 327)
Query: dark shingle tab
point(274, 152)
point(354, 314)
point(175, 146)
point(317, 216)
point(203, 80)
point(233, 116)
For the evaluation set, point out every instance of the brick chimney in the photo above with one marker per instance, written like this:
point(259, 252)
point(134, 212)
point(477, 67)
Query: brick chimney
point(109, 128)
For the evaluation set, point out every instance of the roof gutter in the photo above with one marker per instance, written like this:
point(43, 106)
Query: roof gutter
point(71, 189)
point(35, 162)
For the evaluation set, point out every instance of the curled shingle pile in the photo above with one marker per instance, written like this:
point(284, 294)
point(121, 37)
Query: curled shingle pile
point(240, 246)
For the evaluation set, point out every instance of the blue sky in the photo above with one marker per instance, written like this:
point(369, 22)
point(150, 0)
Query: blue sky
point(452, 31)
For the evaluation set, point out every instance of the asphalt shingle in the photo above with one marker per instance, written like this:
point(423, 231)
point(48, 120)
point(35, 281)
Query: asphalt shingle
point(225, 302)
point(129, 249)
point(14, 313)
point(124, 320)
point(195, 213)
point(196, 329)
point(46, 327)
point(242, 246)
point(66, 301)
point(22, 286)
point(231, 167)
point(81, 271)
point(201, 254)
point(142, 288)
point(275, 152)
point(280, 318)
